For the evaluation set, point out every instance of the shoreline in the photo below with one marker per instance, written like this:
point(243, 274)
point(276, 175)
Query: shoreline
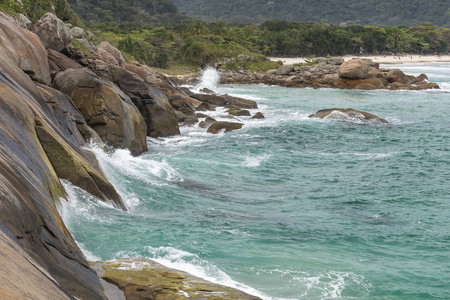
point(382, 59)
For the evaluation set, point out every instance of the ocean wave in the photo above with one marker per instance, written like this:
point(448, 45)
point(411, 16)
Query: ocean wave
point(189, 263)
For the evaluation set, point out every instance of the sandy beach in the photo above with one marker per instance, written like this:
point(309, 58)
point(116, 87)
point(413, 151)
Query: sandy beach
point(382, 59)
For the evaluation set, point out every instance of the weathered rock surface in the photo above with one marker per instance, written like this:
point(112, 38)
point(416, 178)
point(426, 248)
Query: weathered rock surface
point(153, 104)
point(105, 108)
point(24, 49)
point(349, 113)
point(21, 276)
point(112, 51)
point(58, 62)
point(142, 279)
point(52, 32)
point(30, 188)
point(354, 69)
point(226, 126)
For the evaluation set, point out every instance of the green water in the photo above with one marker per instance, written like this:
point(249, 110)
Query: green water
point(291, 207)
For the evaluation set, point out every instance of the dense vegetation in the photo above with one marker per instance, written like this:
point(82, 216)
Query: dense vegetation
point(35, 9)
point(130, 26)
point(129, 13)
point(349, 12)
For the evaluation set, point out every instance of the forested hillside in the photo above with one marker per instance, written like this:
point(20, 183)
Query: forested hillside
point(360, 12)
point(137, 12)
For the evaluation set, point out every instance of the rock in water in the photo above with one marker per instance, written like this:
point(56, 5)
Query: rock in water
point(142, 279)
point(227, 126)
point(106, 109)
point(349, 113)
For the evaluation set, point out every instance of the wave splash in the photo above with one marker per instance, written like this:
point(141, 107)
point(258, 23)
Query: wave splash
point(210, 79)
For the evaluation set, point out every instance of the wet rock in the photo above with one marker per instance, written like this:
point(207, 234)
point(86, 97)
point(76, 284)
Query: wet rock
point(52, 32)
point(180, 103)
point(349, 113)
point(226, 126)
point(153, 104)
point(106, 109)
point(142, 279)
point(205, 106)
point(258, 115)
point(30, 190)
point(239, 112)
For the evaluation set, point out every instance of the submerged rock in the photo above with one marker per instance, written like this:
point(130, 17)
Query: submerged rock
point(142, 279)
point(226, 126)
point(348, 114)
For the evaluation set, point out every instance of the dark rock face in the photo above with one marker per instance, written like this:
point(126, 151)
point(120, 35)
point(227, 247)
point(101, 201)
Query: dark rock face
point(58, 62)
point(30, 188)
point(227, 126)
point(349, 113)
point(154, 106)
point(106, 109)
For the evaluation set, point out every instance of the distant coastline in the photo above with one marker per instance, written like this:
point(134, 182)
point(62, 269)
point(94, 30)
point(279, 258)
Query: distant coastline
point(382, 59)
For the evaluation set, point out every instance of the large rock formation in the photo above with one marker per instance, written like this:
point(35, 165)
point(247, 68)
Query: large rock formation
point(40, 143)
point(24, 49)
point(153, 104)
point(106, 109)
point(354, 69)
point(142, 279)
point(52, 32)
point(30, 188)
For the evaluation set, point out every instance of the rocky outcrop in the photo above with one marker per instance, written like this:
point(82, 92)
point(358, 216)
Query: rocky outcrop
point(349, 114)
point(142, 279)
point(30, 188)
point(354, 69)
point(109, 111)
point(111, 53)
point(24, 49)
point(153, 104)
point(224, 126)
point(329, 73)
point(52, 32)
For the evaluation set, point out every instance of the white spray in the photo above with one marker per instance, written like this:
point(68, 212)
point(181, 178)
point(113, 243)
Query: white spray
point(210, 79)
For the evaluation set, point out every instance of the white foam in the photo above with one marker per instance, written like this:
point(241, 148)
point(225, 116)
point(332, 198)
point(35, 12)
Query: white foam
point(210, 79)
point(140, 168)
point(255, 161)
point(192, 264)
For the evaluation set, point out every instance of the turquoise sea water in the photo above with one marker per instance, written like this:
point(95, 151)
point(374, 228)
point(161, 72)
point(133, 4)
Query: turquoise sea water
point(291, 207)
